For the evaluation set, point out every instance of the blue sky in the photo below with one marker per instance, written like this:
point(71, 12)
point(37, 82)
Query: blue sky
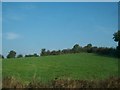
point(60, 0)
point(29, 27)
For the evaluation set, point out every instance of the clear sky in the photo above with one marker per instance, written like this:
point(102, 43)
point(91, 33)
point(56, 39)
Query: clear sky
point(29, 27)
point(60, 0)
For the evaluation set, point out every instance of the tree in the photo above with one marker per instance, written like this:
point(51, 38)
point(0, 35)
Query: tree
point(88, 48)
point(94, 49)
point(76, 48)
point(35, 55)
point(20, 56)
point(89, 45)
point(116, 37)
point(11, 54)
point(48, 52)
point(1, 56)
point(32, 55)
point(43, 52)
point(53, 52)
point(28, 55)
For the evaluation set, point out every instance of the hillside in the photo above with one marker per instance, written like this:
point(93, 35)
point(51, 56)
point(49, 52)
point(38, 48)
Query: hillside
point(83, 66)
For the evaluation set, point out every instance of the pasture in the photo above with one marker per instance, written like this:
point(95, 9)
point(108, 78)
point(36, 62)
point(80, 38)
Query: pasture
point(84, 66)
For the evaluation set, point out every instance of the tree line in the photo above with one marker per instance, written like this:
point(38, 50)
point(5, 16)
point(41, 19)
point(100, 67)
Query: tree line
point(115, 52)
point(75, 49)
point(12, 54)
point(79, 49)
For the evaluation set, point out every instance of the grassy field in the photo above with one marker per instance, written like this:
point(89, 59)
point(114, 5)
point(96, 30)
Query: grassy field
point(83, 66)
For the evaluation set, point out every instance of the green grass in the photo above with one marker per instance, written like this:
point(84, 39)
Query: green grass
point(74, 66)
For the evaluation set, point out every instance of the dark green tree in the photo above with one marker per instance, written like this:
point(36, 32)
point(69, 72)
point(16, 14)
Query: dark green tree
point(20, 56)
point(88, 48)
point(48, 52)
point(116, 37)
point(43, 52)
point(89, 45)
point(1, 56)
point(11, 54)
point(35, 55)
point(76, 48)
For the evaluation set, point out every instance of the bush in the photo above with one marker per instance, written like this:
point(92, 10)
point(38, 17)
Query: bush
point(20, 56)
point(11, 54)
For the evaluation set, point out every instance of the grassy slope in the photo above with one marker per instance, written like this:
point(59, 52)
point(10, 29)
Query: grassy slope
point(75, 66)
point(0, 73)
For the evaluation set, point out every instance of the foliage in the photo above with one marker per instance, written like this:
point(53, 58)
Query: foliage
point(77, 49)
point(43, 52)
point(20, 56)
point(11, 54)
point(32, 55)
point(88, 48)
point(35, 55)
point(116, 37)
point(1, 56)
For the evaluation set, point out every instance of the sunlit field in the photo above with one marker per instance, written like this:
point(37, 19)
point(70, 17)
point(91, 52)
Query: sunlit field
point(84, 66)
